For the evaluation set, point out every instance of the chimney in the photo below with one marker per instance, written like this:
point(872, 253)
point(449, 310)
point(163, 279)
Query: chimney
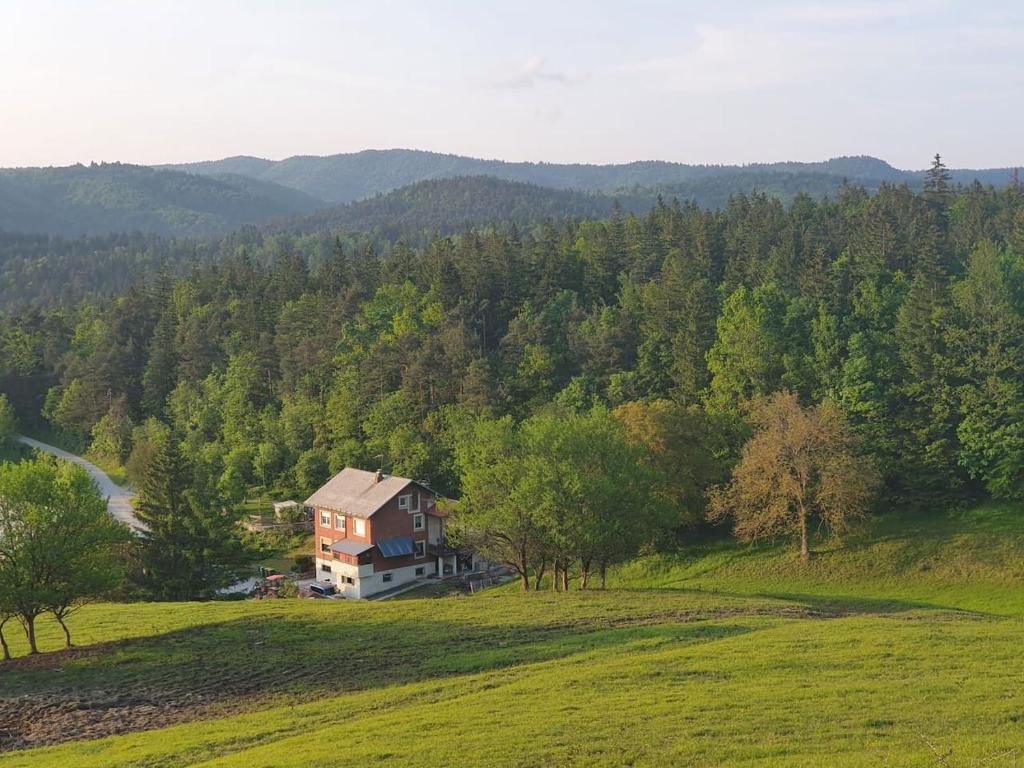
point(378, 476)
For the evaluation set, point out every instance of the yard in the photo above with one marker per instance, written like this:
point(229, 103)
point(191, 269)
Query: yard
point(902, 648)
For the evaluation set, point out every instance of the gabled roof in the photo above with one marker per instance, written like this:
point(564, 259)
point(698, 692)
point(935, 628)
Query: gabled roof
point(357, 492)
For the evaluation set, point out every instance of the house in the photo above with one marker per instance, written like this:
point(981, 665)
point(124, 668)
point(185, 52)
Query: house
point(286, 511)
point(375, 532)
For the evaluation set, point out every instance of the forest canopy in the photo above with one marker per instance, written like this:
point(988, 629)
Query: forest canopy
point(277, 362)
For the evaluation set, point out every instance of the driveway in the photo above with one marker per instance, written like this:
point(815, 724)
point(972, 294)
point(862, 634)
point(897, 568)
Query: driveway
point(119, 500)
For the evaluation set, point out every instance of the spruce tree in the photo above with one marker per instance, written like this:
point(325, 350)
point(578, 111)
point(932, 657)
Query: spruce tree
point(162, 366)
point(937, 189)
point(190, 547)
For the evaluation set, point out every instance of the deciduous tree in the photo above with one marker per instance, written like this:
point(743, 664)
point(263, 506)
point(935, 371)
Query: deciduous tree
point(59, 548)
point(801, 466)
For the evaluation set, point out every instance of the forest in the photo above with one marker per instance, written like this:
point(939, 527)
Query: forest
point(286, 358)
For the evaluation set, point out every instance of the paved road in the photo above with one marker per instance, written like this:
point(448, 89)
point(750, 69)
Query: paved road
point(119, 500)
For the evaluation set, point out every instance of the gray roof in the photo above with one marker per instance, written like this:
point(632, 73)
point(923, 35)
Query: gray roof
point(349, 547)
point(357, 492)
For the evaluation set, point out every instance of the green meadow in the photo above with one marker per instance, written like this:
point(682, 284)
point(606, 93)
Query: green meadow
point(902, 647)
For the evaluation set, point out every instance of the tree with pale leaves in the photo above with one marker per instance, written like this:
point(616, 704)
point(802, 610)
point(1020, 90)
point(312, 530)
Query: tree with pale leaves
point(801, 467)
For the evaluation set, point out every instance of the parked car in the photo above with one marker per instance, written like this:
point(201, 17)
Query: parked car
point(323, 592)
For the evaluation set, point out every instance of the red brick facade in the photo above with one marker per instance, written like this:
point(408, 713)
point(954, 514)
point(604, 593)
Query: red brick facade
point(388, 522)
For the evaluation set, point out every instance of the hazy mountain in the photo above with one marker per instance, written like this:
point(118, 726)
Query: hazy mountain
point(218, 196)
point(449, 205)
point(347, 177)
point(114, 197)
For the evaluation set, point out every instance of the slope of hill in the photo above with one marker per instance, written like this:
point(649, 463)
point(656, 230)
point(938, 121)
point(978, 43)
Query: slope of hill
point(114, 197)
point(346, 177)
point(198, 199)
point(458, 203)
point(735, 657)
point(970, 560)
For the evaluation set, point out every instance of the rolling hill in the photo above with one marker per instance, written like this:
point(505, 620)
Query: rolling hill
point(899, 646)
point(458, 203)
point(102, 199)
point(113, 197)
point(346, 177)
point(199, 199)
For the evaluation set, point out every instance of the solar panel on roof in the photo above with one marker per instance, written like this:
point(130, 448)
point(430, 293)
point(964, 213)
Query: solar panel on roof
point(396, 547)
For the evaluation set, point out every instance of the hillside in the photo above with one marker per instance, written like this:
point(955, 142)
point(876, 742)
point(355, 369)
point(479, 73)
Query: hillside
point(113, 197)
point(346, 177)
point(734, 656)
point(969, 560)
point(197, 199)
point(462, 202)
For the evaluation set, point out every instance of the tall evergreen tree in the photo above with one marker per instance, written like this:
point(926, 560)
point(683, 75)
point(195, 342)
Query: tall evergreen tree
point(937, 189)
point(161, 367)
point(190, 547)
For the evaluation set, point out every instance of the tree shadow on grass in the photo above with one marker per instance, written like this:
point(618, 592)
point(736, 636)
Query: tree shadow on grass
point(248, 663)
point(835, 605)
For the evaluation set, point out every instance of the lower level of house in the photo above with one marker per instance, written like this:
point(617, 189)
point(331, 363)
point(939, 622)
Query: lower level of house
point(360, 581)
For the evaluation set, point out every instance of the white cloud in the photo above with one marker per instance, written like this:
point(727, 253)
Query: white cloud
point(534, 71)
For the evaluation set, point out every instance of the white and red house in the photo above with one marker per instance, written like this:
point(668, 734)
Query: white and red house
point(375, 532)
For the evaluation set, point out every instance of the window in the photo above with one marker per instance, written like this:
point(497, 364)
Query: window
point(386, 577)
point(339, 522)
point(420, 548)
point(417, 522)
point(358, 526)
point(405, 502)
point(325, 567)
point(325, 544)
point(325, 519)
point(349, 580)
point(420, 571)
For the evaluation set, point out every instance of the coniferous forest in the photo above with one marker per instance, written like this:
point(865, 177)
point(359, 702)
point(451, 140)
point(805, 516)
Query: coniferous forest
point(502, 386)
point(280, 359)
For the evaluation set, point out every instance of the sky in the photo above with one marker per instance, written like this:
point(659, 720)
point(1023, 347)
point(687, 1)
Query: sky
point(559, 81)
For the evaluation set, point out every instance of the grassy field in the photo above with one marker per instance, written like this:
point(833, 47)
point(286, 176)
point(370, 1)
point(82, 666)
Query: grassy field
point(903, 648)
point(971, 560)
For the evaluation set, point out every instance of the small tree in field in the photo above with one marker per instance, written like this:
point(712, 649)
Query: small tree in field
point(59, 549)
point(802, 465)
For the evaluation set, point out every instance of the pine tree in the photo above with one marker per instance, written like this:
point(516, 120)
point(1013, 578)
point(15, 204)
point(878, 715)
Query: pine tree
point(335, 275)
point(161, 370)
point(937, 190)
point(926, 419)
point(190, 546)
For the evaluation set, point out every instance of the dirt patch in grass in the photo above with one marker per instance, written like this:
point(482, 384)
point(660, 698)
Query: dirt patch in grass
point(243, 665)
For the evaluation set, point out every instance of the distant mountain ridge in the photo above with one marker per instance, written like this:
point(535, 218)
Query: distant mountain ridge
point(215, 197)
point(345, 178)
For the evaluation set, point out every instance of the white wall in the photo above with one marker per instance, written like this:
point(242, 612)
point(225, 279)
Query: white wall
point(370, 585)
